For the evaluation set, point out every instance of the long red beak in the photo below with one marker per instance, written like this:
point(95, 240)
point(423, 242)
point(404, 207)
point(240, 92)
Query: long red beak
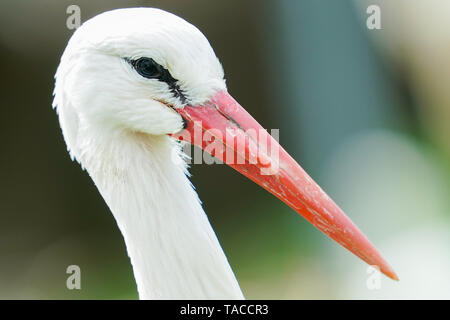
point(224, 129)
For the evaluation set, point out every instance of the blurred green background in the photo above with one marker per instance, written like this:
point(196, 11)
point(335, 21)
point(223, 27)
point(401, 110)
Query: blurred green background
point(365, 112)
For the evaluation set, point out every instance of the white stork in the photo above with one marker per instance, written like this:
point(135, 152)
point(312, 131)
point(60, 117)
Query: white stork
point(128, 84)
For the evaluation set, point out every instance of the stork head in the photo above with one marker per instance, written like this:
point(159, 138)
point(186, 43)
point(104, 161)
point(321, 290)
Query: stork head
point(149, 71)
point(129, 69)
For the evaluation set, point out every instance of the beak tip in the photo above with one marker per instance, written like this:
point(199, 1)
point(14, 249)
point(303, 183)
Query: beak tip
point(391, 274)
point(387, 270)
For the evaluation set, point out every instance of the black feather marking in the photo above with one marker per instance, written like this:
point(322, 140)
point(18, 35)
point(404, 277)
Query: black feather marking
point(161, 74)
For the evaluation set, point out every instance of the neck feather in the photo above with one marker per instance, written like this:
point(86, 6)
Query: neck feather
point(173, 249)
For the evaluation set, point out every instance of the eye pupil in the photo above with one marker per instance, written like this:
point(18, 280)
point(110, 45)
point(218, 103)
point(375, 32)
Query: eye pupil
point(147, 68)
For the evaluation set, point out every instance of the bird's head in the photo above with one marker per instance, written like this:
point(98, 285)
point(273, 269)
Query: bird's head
point(130, 69)
point(149, 71)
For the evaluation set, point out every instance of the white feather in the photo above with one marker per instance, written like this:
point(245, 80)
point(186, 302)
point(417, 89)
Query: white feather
point(115, 125)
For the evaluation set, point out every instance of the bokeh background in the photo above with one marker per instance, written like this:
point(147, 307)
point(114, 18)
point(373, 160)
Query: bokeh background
point(365, 112)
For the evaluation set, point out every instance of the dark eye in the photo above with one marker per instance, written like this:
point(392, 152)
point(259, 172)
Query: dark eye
point(147, 68)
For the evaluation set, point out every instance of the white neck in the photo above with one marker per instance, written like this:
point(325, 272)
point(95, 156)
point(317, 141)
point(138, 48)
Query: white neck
point(173, 249)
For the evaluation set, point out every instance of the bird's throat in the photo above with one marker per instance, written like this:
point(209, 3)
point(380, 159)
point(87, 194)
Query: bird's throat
point(173, 249)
